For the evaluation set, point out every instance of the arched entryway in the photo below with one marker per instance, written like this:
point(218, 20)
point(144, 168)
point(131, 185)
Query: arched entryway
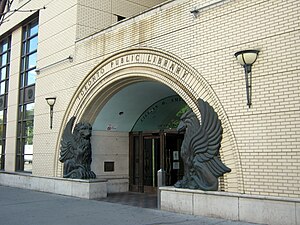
point(148, 65)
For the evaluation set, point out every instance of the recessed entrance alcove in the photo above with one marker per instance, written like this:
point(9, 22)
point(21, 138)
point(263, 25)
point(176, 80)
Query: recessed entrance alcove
point(135, 133)
point(134, 99)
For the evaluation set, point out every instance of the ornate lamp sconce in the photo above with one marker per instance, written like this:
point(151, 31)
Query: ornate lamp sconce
point(51, 101)
point(246, 58)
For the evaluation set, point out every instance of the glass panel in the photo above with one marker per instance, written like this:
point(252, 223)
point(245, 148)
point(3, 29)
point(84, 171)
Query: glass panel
point(151, 161)
point(28, 163)
point(3, 73)
point(22, 80)
point(28, 153)
point(31, 75)
point(21, 97)
point(2, 159)
point(1, 117)
point(23, 64)
point(148, 176)
point(19, 146)
point(29, 111)
point(4, 46)
point(33, 44)
point(24, 33)
point(31, 60)
point(19, 163)
point(28, 130)
point(34, 29)
point(136, 150)
point(1, 131)
point(24, 50)
point(4, 59)
point(2, 87)
point(4, 116)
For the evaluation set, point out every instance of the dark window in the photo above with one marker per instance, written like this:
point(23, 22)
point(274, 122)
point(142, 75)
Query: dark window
point(26, 97)
point(5, 45)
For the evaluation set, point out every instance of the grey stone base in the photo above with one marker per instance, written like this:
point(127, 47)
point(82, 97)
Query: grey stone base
point(232, 206)
point(117, 185)
point(89, 189)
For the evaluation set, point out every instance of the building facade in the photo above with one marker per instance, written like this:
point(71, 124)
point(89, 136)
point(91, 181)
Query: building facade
point(130, 67)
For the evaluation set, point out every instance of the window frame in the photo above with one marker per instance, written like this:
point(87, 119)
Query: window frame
point(4, 81)
point(25, 131)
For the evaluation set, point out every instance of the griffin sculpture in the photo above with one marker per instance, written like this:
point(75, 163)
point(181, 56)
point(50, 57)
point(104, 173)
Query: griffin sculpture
point(200, 149)
point(76, 151)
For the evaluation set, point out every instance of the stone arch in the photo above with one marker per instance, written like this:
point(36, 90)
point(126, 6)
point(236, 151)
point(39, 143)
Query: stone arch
point(140, 64)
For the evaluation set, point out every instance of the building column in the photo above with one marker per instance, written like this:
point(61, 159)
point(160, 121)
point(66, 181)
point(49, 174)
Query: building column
point(12, 101)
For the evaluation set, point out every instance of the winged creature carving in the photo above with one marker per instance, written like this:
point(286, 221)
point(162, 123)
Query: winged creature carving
point(76, 151)
point(200, 149)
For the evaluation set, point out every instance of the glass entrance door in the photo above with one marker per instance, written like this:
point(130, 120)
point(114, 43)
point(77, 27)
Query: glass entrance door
point(150, 153)
point(151, 150)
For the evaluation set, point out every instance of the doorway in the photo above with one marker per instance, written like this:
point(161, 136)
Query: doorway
point(150, 152)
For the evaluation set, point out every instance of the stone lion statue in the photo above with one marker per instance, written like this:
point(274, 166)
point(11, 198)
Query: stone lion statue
point(76, 151)
point(200, 149)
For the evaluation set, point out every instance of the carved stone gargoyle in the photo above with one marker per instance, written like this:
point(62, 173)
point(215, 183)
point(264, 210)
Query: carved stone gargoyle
point(76, 151)
point(200, 149)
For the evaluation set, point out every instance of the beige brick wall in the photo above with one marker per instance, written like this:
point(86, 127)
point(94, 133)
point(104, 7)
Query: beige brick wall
point(94, 15)
point(266, 136)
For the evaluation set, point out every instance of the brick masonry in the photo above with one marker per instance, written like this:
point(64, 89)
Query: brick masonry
point(265, 139)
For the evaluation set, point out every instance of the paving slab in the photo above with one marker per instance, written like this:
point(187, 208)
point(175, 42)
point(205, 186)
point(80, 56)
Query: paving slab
point(26, 207)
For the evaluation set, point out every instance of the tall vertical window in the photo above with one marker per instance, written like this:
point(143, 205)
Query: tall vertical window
point(26, 97)
point(4, 74)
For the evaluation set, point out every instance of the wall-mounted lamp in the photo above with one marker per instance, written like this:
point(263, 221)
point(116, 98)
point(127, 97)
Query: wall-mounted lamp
point(51, 101)
point(246, 58)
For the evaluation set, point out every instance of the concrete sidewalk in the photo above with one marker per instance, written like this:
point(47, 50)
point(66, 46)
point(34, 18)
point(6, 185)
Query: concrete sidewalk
point(25, 207)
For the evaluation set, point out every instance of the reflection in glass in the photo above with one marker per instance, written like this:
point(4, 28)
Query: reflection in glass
point(28, 154)
point(3, 73)
point(31, 75)
point(29, 111)
point(1, 117)
point(4, 46)
point(28, 131)
point(34, 29)
point(4, 59)
point(32, 60)
point(2, 87)
point(33, 44)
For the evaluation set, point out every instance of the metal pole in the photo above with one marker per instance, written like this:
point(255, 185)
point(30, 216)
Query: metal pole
point(51, 116)
point(161, 181)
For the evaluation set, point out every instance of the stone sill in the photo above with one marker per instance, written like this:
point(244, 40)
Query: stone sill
point(232, 194)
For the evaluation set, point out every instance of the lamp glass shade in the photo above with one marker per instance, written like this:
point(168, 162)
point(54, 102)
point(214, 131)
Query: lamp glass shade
point(51, 101)
point(246, 57)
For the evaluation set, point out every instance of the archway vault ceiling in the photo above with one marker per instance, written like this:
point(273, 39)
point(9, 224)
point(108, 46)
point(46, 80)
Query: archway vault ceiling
point(126, 106)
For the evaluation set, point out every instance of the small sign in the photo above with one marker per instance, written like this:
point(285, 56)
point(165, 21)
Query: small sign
point(109, 166)
point(175, 165)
